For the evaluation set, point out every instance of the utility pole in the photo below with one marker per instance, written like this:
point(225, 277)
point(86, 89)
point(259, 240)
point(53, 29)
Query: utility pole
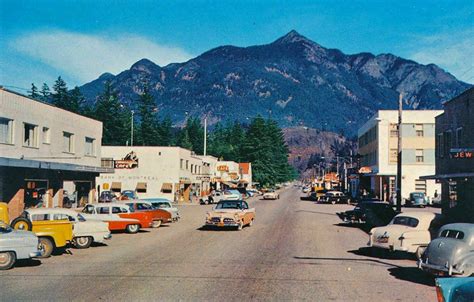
point(131, 130)
point(205, 136)
point(399, 156)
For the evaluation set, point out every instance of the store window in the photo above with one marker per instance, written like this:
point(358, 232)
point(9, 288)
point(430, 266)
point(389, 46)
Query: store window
point(419, 130)
point(89, 146)
point(192, 168)
point(46, 135)
point(181, 164)
point(30, 135)
point(187, 164)
point(68, 142)
point(6, 131)
point(141, 187)
point(419, 155)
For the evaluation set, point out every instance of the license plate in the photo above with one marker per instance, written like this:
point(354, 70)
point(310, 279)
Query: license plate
point(221, 224)
point(382, 240)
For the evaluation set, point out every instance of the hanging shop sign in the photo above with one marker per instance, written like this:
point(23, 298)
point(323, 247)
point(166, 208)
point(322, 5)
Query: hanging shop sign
point(130, 161)
point(464, 153)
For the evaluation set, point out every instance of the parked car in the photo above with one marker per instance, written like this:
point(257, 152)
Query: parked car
point(452, 253)
point(164, 204)
point(305, 190)
point(372, 213)
point(417, 199)
point(408, 232)
point(455, 289)
point(53, 230)
point(84, 231)
point(334, 197)
point(128, 195)
point(271, 194)
point(16, 245)
point(311, 197)
point(231, 213)
point(159, 216)
point(106, 196)
point(119, 216)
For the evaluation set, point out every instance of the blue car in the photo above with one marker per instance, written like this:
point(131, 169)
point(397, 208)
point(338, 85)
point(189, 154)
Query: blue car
point(455, 289)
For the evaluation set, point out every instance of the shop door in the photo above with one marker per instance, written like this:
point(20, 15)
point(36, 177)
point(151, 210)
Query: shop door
point(35, 193)
point(83, 189)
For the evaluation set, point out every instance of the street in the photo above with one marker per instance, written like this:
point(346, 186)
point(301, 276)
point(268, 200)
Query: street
point(294, 251)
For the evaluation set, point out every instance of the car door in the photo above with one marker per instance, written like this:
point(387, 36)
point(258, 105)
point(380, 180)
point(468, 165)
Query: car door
point(248, 215)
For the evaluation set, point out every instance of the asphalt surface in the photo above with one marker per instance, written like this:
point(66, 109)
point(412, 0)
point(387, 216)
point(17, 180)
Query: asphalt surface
point(294, 251)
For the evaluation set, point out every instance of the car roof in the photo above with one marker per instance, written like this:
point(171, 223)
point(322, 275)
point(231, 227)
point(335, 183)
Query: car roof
point(35, 211)
point(134, 201)
point(419, 214)
point(109, 204)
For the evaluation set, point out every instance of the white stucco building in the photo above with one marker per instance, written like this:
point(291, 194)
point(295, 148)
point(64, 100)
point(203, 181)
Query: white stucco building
point(44, 150)
point(378, 151)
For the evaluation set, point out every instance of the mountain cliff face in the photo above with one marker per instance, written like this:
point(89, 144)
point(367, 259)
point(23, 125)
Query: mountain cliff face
point(294, 80)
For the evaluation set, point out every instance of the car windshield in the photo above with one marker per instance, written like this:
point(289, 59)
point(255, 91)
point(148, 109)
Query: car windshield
point(228, 205)
point(405, 220)
point(5, 228)
point(80, 217)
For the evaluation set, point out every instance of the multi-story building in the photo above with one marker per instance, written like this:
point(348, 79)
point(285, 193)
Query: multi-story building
point(455, 151)
point(45, 150)
point(378, 150)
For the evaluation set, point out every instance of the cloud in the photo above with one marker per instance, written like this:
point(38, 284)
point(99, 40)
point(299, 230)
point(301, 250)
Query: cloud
point(85, 57)
point(453, 52)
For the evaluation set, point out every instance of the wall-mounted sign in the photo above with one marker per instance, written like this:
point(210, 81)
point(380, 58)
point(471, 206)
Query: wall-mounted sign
point(130, 161)
point(462, 153)
point(223, 168)
point(234, 176)
point(203, 178)
point(365, 170)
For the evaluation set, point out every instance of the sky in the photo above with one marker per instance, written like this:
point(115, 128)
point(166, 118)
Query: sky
point(79, 40)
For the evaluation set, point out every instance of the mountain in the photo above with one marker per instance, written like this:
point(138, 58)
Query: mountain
point(294, 80)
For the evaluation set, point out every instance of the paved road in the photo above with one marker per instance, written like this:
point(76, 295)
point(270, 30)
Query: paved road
point(294, 251)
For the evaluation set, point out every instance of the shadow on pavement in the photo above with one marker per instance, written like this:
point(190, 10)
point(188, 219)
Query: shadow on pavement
point(27, 263)
point(361, 226)
point(412, 274)
point(381, 254)
point(347, 259)
point(206, 228)
point(316, 212)
point(98, 244)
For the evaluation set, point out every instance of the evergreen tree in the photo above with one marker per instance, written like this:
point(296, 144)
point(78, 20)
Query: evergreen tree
point(115, 118)
point(165, 132)
point(45, 93)
point(195, 132)
point(149, 135)
point(184, 140)
point(34, 92)
point(76, 101)
point(60, 97)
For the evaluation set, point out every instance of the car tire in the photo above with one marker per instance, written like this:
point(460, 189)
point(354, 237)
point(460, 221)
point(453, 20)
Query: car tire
point(46, 247)
point(251, 223)
point(157, 224)
point(82, 242)
point(21, 223)
point(240, 226)
point(7, 260)
point(132, 228)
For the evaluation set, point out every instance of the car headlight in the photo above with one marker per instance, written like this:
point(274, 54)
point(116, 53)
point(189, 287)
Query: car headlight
point(236, 217)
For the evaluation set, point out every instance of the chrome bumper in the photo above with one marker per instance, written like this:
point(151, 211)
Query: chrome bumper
point(35, 254)
point(433, 268)
point(108, 236)
point(222, 224)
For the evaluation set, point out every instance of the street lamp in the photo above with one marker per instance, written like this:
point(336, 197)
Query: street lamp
point(131, 129)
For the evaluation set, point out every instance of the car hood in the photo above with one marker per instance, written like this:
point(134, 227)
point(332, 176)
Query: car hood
point(225, 213)
point(442, 250)
point(17, 234)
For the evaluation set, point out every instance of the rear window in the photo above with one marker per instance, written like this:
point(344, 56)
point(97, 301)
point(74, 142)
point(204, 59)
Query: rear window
point(452, 234)
point(404, 220)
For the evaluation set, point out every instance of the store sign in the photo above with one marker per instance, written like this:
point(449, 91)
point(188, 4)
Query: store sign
point(203, 178)
point(365, 170)
point(223, 168)
point(130, 161)
point(234, 176)
point(462, 153)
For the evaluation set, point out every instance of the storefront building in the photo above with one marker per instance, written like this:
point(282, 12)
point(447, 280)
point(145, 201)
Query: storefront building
point(378, 150)
point(169, 172)
point(233, 175)
point(455, 153)
point(48, 156)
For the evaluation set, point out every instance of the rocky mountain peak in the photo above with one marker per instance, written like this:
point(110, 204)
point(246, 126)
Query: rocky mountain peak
point(293, 37)
point(145, 65)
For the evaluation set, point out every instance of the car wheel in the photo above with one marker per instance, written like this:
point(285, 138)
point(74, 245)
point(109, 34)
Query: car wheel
point(7, 260)
point(132, 228)
point(46, 247)
point(82, 242)
point(21, 223)
point(251, 223)
point(419, 252)
point(156, 224)
point(240, 226)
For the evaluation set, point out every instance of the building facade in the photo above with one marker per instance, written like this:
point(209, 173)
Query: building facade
point(47, 154)
point(378, 150)
point(455, 151)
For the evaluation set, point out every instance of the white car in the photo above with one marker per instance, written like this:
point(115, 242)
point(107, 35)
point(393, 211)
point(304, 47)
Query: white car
point(16, 245)
point(84, 231)
point(271, 194)
point(408, 232)
point(164, 204)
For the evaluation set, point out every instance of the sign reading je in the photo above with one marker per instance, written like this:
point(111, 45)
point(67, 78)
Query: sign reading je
point(467, 153)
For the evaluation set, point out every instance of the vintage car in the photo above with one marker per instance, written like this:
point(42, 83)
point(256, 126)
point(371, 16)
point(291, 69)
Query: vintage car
point(271, 194)
point(408, 232)
point(334, 197)
point(107, 196)
point(128, 195)
point(452, 253)
point(84, 231)
point(159, 216)
point(15, 245)
point(164, 204)
point(455, 289)
point(231, 213)
point(217, 196)
point(417, 199)
point(372, 213)
point(54, 231)
point(119, 216)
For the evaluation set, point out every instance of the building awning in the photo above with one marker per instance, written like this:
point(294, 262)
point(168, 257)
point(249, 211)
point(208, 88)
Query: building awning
point(141, 186)
point(185, 181)
point(36, 164)
point(116, 186)
point(449, 176)
point(167, 186)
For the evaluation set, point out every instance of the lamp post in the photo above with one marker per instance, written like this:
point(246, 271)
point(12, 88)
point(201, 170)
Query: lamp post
point(131, 129)
point(399, 155)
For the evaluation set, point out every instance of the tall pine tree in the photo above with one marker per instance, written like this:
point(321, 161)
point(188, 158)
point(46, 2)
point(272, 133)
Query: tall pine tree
point(45, 93)
point(147, 109)
point(34, 92)
point(60, 97)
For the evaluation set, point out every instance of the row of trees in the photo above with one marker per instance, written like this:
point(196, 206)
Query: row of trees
point(260, 142)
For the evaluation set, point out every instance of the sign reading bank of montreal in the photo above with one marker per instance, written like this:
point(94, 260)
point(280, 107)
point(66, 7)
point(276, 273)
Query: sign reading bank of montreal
point(462, 153)
point(130, 161)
